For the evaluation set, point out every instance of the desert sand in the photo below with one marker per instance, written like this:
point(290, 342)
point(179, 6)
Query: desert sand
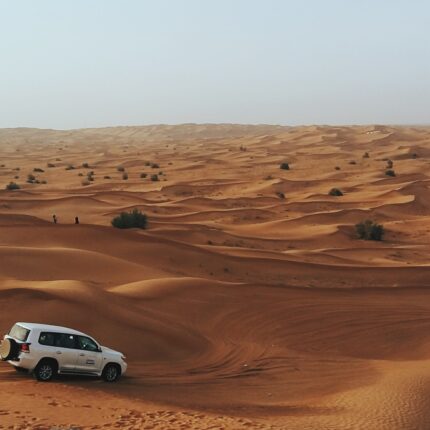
point(248, 302)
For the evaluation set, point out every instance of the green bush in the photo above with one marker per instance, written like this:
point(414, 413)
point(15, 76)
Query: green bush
point(12, 186)
point(134, 219)
point(390, 172)
point(335, 192)
point(284, 166)
point(154, 178)
point(369, 230)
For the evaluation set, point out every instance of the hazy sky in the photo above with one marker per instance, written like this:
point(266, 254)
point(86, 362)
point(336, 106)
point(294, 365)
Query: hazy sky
point(88, 63)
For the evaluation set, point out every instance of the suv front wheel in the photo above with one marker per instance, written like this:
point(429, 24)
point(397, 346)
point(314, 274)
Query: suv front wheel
point(45, 370)
point(111, 372)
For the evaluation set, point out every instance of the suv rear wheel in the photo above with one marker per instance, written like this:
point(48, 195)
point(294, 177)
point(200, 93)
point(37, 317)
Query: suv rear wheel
point(111, 372)
point(45, 370)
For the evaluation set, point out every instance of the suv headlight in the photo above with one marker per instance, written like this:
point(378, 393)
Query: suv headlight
point(123, 357)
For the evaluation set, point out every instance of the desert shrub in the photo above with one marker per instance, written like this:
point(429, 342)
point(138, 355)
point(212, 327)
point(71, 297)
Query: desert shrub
point(143, 175)
point(38, 169)
point(284, 166)
point(335, 192)
point(50, 165)
point(70, 167)
point(133, 219)
point(155, 166)
point(337, 168)
point(80, 174)
point(147, 163)
point(17, 169)
point(16, 177)
point(44, 182)
point(125, 176)
point(120, 169)
point(352, 162)
point(366, 155)
point(12, 186)
point(390, 172)
point(390, 164)
point(85, 165)
point(31, 178)
point(280, 194)
point(106, 177)
point(160, 173)
point(154, 178)
point(369, 230)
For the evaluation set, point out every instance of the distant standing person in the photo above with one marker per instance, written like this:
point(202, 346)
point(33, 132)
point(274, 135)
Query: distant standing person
point(54, 217)
point(76, 220)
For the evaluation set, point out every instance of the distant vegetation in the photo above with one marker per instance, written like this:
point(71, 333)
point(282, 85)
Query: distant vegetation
point(12, 186)
point(31, 179)
point(70, 167)
point(284, 166)
point(366, 155)
point(38, 169)
point(143, 175)
point(134, 219)
point(154, 178)
point(390, 172)
point(369, 230)
point(280, 194)
point(390, 164)
point(335, 192)
point(51, 165)
point(120, 169)
point(352, 162)
point(125, 176)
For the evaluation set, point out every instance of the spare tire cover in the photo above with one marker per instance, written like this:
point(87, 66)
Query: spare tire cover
point(8, 349)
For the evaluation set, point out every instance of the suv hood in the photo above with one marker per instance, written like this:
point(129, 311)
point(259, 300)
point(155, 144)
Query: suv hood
point(111, 351)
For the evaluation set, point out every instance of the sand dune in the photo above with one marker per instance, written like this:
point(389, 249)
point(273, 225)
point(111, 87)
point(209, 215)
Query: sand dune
point(248, 302)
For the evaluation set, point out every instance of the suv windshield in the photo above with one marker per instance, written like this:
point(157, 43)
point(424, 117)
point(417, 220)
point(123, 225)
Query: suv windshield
point(19, 333)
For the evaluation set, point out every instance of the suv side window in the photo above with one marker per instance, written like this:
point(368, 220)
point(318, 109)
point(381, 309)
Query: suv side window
point(87, 344)
point(63, 340)
point(46, 338)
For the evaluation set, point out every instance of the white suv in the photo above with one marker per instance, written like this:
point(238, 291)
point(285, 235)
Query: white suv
point(46, 350)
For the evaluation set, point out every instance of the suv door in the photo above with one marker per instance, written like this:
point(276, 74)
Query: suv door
point(89, 356)
point(62, 347)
